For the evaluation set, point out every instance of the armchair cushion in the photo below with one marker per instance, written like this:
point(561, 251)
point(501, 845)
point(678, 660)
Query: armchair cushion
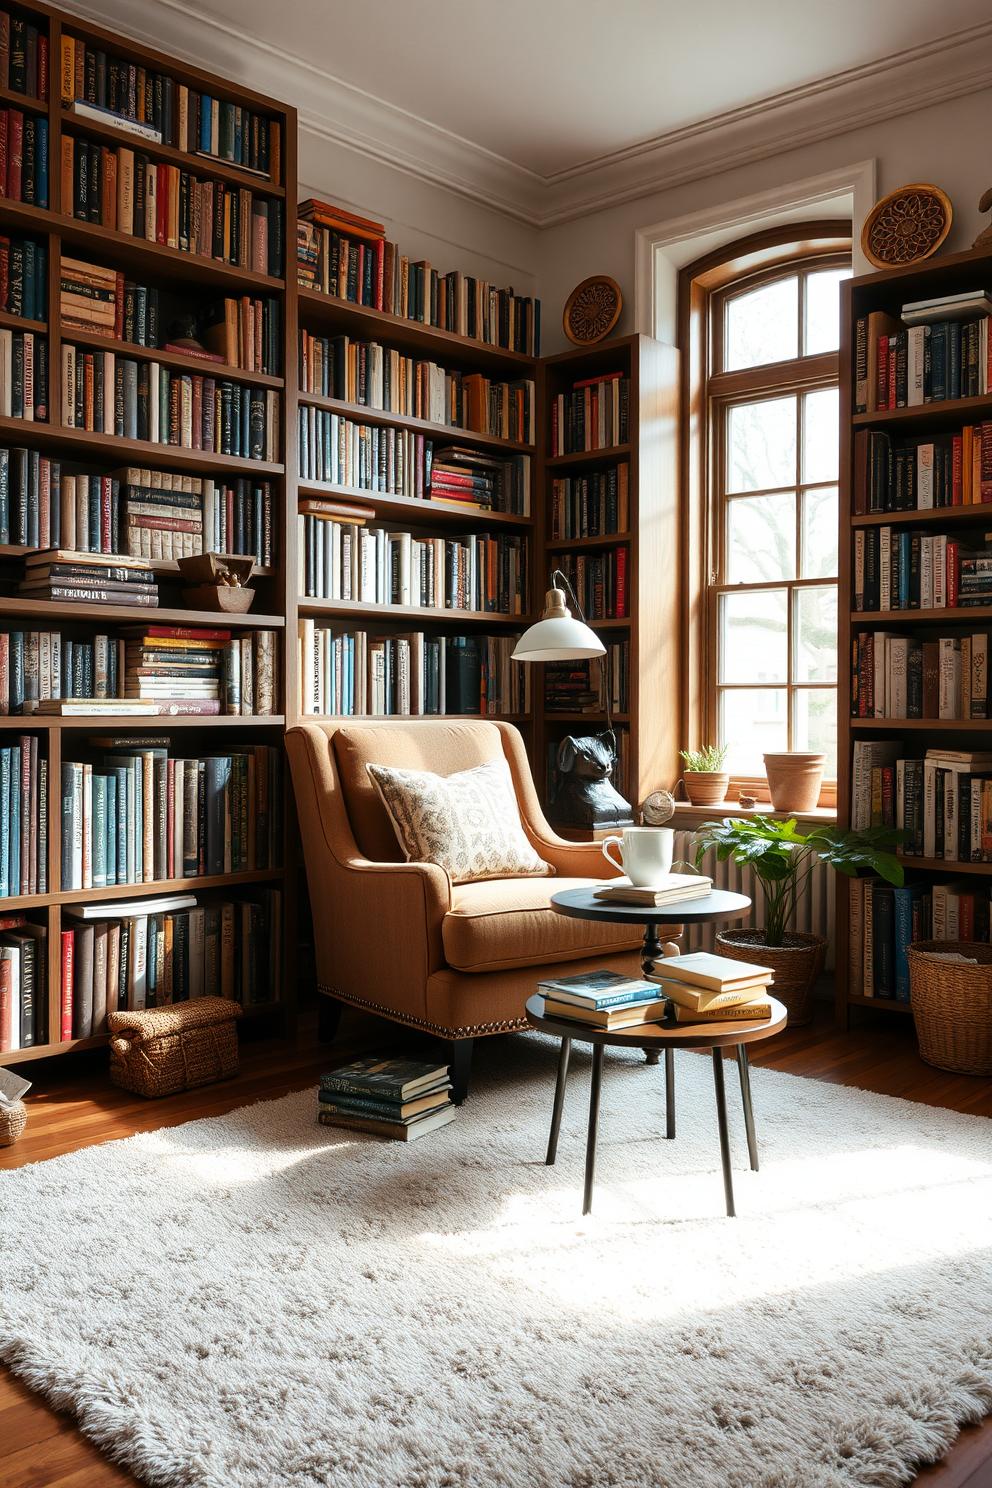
point(467, 823)
point(509, 922)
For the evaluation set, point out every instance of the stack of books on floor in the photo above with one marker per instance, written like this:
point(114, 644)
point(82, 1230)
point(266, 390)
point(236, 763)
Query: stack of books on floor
point(671, 889)
point(23, 984)
point(399, 1098)
point(715, 989)
point(603, 999)
point(70, 576)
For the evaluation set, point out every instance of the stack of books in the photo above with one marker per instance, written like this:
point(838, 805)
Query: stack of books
point(715, 989)
point(481, 481)
point(673, 888)
point(92, 298)
point(603, 999)
point(202, 671)
point(399, 1098)
point(89, 578)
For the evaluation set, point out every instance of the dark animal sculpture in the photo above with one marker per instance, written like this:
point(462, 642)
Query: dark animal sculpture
point(584, 796)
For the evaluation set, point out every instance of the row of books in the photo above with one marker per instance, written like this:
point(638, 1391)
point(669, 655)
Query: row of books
point(202, 671)
point(156, 952)
point(115, 188)
point(399, 1098)
point(24, 278)
point(23, 57)
point(695, 988)
point(899, 366)
point(342, 452)
point(898, 676)
point(138, 814)
point(370, 565)
point(116, 395)
point(23, 818)
point(599, 581)
point(482, 482)
point(23, 984)
point(903, 570)
point(24, 157)
point(23, 375)
point(943, 802)
point(348, 256)
point(619, 775)
point(594, 415)
point(113, 91)
point(355, 673)
point(38, 665)
point(378, 377)
point(243, 333)
point(885, 921)
point(581, 686)
point(591, 505)
point(951, 470)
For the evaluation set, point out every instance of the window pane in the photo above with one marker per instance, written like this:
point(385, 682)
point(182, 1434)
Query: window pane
point(815, 634)
point(754, 636)
point(822, 331)
point(752, 721)
point(761, 445)
point(815, 724)
point(821, 428)
point(820, 533)
point(761, 539)
point(762, 325)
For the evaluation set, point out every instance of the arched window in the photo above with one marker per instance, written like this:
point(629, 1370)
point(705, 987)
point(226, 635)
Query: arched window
point(761, 330)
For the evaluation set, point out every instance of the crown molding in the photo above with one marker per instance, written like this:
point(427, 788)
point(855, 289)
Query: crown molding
point(336, 112)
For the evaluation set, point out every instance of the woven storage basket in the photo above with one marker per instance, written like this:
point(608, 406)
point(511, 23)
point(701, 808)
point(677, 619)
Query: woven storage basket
point(952, 1006)
point(164, 1050)
point(796, 964)
point(12, 1119)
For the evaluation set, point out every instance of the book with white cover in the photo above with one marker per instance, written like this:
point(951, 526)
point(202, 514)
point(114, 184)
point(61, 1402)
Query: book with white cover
point(718, 973)
point(127, 909)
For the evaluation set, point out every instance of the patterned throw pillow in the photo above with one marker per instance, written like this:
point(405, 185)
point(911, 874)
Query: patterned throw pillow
point(467, 823)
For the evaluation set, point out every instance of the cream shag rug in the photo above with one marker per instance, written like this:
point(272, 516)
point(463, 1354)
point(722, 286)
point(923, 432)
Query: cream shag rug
point(254, 1301)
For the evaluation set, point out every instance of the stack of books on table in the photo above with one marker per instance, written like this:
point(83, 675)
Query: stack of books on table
point(671, 889)
point(603, 999)
point(400, 1098)
point(714, 989)
point(89, 578)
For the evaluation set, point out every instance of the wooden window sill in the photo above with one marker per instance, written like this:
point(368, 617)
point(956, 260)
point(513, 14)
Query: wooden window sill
point(689, 816)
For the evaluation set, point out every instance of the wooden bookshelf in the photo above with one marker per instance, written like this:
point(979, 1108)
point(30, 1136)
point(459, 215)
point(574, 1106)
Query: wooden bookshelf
point(188, 277)
point(888, 291)
point(652, 620)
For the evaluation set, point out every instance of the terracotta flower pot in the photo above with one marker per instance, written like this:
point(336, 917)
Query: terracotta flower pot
point(796, 965)
point(794, 779)
point(706, 787)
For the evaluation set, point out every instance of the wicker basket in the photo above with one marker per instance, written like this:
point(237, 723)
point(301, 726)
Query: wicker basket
point(164, 1050)
point(12, 1119)
point(796, 963)
point(952, 1006)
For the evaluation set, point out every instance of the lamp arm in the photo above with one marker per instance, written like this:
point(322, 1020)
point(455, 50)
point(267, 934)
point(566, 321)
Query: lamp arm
point(556, 576)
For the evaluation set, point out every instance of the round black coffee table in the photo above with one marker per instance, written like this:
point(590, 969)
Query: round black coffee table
point(718, 904)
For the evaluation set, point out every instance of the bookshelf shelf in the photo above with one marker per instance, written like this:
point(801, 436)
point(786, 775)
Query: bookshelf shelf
point(888, 1003)
point(137, 614)
point(22, 723)
point(21, 323)
point(139, 255)
point(411, 508)
point(450, 433)
point(956, 616)
point(346, 607)
point(197, 165)
point(950, 725)
point(517, 718)
point(196, 366)
point(23, 101)
point(947, 411)
point(86, 443)
point(588, 457)
point(595, 717)
point(944, 515)
point(576, 544)
point(947, 865)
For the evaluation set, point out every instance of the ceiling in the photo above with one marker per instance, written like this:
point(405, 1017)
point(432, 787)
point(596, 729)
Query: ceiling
point(553, 84)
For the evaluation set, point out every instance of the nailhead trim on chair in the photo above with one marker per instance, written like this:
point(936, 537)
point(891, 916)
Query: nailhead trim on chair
point(505, 1025)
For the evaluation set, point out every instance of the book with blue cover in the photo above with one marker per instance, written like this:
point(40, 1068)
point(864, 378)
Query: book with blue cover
point(599, 989)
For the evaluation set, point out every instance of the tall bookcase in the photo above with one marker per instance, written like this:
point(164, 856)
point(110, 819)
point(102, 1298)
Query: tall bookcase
point(651, 622)
point(887, 292)
point(200, 278)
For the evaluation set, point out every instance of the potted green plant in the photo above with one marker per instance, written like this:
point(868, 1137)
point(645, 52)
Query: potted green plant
point(782, 859)
point(705, 779)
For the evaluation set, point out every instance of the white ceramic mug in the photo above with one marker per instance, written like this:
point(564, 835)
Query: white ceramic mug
point(645, 852)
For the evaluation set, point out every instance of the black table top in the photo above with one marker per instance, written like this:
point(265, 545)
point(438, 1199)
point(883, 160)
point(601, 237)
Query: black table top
point(718, 904)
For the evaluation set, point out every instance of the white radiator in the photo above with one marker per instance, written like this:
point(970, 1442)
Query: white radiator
point(816, 908)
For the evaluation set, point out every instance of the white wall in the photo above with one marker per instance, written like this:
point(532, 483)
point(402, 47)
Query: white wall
point(947, 144)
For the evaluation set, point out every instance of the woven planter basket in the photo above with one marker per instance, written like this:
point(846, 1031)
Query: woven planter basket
point(796, 964)
point(12, 1119)
point(952, 1006)
point(164, 1050)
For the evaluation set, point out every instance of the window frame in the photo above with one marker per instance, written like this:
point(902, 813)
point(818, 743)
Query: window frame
point(704, 289)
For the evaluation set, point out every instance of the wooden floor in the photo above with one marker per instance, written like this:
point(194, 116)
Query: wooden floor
point(73, 1105)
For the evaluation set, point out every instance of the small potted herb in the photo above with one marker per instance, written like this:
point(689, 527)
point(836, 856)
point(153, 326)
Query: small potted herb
point(705, 779)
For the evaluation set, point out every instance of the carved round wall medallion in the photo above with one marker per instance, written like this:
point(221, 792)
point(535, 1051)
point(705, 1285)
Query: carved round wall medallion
point(592, 310)
point(657, 808)
point(906, 226)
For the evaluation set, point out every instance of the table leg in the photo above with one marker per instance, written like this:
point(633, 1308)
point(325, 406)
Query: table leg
point(653, 949)
point(563, 1058)
point(670, 1093)
point(597, 1081)
point(745, 1073)
point(721, 1119)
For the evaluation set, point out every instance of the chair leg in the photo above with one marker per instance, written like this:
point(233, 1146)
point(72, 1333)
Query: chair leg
point(329, 1011)
point(597, 1081)
point(460, 1064)
point(745, 1074)
point(563, 1058)
point(651, 1056)
point(670, 1094)
point(721, 1120)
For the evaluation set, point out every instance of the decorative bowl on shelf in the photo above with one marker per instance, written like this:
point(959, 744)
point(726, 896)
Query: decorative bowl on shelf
point(218, 581)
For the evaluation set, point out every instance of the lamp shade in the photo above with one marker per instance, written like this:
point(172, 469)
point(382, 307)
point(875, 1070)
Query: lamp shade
point(558, 636)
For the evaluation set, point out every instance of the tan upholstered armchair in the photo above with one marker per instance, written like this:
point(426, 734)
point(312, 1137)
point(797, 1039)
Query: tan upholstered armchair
point(458, 960)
